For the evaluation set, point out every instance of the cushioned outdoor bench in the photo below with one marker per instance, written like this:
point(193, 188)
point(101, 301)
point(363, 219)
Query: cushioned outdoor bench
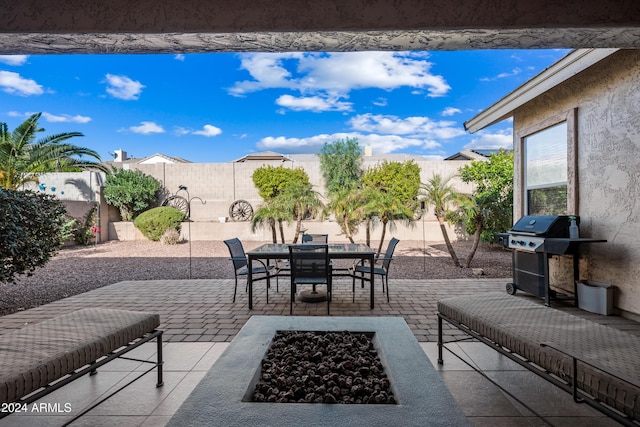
point(598, 364)
point(42, 357)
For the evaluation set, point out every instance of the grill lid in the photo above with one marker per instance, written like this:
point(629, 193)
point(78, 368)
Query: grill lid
point(543, 225)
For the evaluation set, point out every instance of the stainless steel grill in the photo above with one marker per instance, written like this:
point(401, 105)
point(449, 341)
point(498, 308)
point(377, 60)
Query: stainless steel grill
point(527, 240)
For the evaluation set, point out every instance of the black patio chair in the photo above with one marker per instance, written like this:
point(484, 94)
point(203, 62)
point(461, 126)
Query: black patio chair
point(283, 265)
point(309, 266)
point(380, 267)
point(240, 267)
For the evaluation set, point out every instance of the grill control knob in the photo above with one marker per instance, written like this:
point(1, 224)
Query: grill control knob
point(521, 242)
point(531, 244)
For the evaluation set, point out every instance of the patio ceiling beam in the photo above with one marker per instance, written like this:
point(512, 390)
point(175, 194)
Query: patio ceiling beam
point(123, 26)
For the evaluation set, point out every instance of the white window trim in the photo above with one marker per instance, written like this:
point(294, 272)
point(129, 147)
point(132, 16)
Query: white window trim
point(519, 203)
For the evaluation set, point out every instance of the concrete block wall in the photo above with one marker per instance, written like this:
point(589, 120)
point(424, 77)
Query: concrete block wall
point(220, 184)
point(215, 230)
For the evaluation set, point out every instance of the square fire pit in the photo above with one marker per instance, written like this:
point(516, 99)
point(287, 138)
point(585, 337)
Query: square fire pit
point(222, 397)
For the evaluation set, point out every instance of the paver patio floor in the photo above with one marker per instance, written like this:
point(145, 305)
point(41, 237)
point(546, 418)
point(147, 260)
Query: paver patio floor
point(199, 320)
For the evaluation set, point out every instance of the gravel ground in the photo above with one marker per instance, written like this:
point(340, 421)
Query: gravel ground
point(79, 269)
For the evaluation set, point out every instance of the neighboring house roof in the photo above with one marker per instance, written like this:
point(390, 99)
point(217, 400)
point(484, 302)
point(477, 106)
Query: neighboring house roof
point(265, 155)
point(573, 63)
point(160, 158)
point(468, 154)
point(155, 158)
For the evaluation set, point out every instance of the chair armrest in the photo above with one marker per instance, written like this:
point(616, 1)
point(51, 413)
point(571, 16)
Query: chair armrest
point(266, 267)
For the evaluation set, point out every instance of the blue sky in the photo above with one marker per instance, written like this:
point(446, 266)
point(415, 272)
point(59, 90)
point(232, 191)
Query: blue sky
point(218, 107)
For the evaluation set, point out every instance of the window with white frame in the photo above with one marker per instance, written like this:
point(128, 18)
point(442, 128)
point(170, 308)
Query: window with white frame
point(545, 177)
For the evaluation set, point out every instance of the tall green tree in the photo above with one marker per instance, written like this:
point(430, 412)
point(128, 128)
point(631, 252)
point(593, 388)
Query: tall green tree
point(23, 158)
point(493, 191)
point(341, 166)
point(439, 193)
point(391, 191)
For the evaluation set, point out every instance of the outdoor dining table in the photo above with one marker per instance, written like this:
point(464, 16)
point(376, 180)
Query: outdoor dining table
point(271, 251)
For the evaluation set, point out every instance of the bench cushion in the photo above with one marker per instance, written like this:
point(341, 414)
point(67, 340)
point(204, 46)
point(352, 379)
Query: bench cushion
point(521, 326)
point(38, 354)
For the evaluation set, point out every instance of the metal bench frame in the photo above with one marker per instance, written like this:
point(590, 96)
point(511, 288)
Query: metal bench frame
point(568, 385)
point(91, 369)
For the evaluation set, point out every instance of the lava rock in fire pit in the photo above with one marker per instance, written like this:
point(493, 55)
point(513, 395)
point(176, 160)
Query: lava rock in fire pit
point(322, 367)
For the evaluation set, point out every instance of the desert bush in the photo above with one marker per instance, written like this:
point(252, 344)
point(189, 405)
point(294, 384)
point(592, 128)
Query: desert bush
point(154, 222)
point(30, 231)
point(84, 232)
point(171, 236)
point(131, 191)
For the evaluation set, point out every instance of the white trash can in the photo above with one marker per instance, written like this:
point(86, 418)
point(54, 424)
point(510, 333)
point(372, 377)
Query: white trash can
point(595, 297)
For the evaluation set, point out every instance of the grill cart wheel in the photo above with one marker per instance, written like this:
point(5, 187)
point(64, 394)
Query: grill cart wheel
point(511, 288)
point(177, 202)
point(241, 210)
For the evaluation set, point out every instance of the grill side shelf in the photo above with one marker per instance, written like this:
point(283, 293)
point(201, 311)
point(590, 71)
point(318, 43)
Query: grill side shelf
point(563, 246)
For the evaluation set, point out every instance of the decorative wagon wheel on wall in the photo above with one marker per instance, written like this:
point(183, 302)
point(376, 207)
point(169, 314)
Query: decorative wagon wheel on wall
point(241, 210)
point(179, 203)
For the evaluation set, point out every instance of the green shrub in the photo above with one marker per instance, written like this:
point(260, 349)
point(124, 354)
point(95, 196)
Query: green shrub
point(30, 231)
point(154, 222)
point(131, 191)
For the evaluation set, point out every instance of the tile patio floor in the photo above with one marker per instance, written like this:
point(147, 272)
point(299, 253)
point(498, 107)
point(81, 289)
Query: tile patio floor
point(199, 321)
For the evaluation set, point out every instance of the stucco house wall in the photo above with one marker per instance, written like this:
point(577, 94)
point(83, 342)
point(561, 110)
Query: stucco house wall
point(605, 102)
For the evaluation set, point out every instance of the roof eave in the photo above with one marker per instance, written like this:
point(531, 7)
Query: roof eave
point(575, 62)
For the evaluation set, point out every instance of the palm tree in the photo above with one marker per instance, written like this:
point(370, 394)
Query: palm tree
point(387, 209)
point(475, 212)
point(442, 196)
point(271, 212)
point(22, 158)
point(345, 205)
point(302, 201)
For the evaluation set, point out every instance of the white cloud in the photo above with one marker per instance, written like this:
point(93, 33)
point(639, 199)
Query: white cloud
point(313, 103)
point(496, 139)
point(14, 84)
point(122, 87)
point(179, 57)
point(179, 130)
point(208, 130)
point(381, 144)
point(380, 102)
point(513, 73)
point(421, 127)
point(384, 133)
point(147, 128)
point(451, 111)
point(331, 76)
point(65, 118)
point(13, 59)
